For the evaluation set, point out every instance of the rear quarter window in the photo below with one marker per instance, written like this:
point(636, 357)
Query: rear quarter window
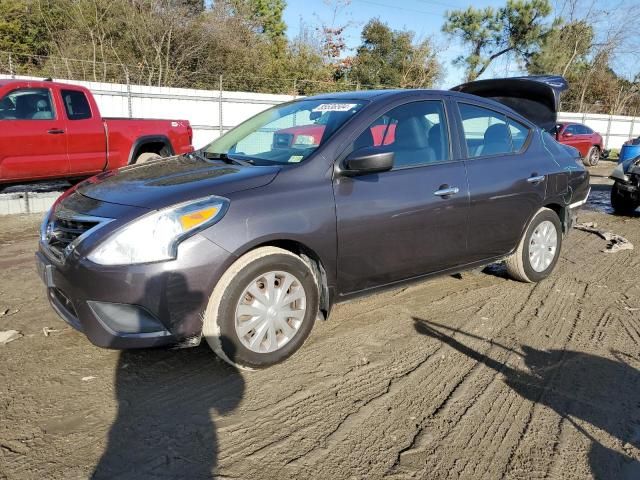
point(519, 134)
point(76, 105)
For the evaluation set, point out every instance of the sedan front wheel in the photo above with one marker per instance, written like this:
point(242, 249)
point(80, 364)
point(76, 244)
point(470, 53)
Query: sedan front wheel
point(539, 248)
point(262, 309)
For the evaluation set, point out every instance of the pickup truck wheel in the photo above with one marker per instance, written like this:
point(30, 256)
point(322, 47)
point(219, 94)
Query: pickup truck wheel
point(262, 309)
point(593, 157)
point(146, 157)
point(538, 250)
point(622, 204)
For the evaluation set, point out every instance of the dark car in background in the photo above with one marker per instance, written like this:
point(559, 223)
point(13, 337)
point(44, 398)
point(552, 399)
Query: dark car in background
point(625, 192)
point(246, 242)
point(584, 139)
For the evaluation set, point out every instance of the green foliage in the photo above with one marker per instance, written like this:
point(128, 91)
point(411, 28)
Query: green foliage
point(22, 29)
point(266, 13)
point(563, 50)
point(390, 57)
point(517, 29)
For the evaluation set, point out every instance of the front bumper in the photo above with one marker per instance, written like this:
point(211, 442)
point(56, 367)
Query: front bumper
point(136, 306)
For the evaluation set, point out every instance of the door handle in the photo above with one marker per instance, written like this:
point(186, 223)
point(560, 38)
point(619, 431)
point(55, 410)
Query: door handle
point(55, 131)
point(445, 191)
point(536, 179)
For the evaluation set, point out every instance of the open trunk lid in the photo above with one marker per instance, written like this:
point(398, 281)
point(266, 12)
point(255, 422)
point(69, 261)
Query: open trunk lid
point(536, 97)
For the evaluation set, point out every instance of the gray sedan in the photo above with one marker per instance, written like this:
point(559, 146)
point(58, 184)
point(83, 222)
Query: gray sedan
point(249, 240)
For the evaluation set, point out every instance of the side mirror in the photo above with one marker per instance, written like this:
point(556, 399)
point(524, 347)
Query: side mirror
point(368, 160)
point(567, 134)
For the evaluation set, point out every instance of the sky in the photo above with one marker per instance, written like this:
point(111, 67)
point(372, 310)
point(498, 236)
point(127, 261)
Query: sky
point(424, 17)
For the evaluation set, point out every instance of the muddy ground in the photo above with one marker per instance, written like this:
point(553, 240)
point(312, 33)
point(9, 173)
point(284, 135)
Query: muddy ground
point(477, 377)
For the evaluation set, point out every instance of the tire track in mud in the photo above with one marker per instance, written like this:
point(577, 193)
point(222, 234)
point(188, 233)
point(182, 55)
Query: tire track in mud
point(431, 375)
point(543, 307)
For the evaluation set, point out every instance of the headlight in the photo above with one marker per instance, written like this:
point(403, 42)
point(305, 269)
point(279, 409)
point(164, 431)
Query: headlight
point(618, 173)
point(156, 236)
point(305, 140)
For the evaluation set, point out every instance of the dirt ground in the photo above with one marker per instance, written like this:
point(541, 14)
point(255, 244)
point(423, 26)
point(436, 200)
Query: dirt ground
point(476, 377)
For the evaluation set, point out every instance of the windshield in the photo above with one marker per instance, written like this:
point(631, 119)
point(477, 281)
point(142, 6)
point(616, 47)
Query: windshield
point(284, 134)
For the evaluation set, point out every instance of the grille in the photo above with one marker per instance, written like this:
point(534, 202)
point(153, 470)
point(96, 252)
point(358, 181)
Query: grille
point(64, 301)
point(61, 232)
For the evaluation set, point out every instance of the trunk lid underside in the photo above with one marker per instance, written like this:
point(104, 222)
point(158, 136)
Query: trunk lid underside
point(537, 98)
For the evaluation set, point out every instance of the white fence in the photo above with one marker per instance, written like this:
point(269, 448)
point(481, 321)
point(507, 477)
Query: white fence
point(212, 112)
point(615, 129)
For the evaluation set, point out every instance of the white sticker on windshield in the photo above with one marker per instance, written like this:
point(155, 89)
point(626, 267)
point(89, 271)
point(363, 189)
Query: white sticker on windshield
point(295, 158)
point(334, 107)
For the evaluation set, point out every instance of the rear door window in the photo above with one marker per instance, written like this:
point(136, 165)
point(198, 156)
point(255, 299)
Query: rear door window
point(76, 105)
point(27, 104)
point(486, 132)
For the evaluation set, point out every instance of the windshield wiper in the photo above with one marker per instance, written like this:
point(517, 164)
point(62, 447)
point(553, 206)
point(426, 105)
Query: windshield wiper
point(198, 155)
point(227, 159)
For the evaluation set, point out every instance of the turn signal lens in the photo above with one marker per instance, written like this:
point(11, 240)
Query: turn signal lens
point(193, 219)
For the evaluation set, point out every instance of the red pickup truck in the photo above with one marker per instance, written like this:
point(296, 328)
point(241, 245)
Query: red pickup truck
point(54, 130)
point(304, 136)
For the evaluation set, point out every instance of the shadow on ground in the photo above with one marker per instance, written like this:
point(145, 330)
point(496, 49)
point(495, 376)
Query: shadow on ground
point(580, 387)
point(166, 400)
point(164, 426)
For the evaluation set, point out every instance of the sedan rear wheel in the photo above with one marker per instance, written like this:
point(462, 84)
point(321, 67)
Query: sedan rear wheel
point(262, 309)
point(539, 248)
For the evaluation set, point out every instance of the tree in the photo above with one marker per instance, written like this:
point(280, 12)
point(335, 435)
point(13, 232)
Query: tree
point(266, 13)
point(22, 32)
point(563, 49)
point(515, 29)
point(391, 58)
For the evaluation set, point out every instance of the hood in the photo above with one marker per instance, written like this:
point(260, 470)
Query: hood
point(630, 166)
point(166, 182)
point(536, 98)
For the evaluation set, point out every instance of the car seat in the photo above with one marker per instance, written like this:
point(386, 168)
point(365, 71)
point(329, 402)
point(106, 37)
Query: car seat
point(411, 146)
point(43, 110)
point(497, 139)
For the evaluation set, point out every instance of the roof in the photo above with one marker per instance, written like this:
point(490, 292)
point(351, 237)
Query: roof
point(34, 83)
point(366, 94)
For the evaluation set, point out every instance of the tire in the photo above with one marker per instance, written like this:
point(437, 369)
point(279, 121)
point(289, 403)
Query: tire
point(520, 264)
point(147, 157)
point(622, 204)
point(593, 156)
point(222, 318)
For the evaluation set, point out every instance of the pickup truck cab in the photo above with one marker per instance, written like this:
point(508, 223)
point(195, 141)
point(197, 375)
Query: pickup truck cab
point(54, 130)
point(309, 134)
